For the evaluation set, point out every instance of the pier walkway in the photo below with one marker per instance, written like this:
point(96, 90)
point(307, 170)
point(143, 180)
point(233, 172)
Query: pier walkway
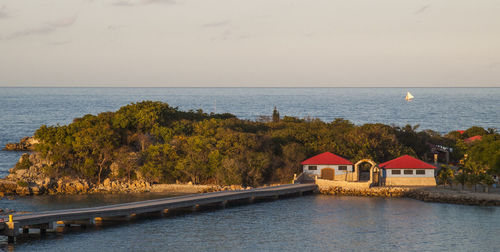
point(88, 216)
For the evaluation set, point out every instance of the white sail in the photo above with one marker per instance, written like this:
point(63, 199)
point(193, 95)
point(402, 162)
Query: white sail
point(409, 96)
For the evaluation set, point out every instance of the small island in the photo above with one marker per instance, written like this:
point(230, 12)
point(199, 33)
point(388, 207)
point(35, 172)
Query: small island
point(151, 146)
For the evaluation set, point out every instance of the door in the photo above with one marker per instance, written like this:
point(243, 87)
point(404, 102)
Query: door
point(328, 173)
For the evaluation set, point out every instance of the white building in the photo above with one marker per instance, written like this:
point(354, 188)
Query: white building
point(327, 166)
point(407, 171)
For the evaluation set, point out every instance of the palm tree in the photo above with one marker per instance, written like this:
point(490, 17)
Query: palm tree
point(445, 175)
point(475, 172)
point(487, 180)
point(461, 177)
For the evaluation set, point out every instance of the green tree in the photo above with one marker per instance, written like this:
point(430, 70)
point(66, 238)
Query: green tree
point(474, 171)
point(461, 177)
point(445, 175)
point(487, 180)
point(474, 131)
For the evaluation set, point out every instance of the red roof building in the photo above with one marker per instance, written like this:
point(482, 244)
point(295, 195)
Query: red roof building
point(406, 162)
point(472, 139)
point(407, 171)
point(326, 158)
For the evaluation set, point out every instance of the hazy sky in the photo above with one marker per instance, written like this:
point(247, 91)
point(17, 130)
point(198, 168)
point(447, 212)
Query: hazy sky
point(249, 43)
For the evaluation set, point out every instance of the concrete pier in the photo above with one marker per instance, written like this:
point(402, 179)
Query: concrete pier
point(124, 212)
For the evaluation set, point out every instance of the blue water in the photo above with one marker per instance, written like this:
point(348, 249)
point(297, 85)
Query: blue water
point(319, 223)
point(23, 110)
point(311, 223)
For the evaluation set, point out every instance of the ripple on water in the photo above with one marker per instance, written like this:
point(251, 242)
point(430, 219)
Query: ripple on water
point(317, 223)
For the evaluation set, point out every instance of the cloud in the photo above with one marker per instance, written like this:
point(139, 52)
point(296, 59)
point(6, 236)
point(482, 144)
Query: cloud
point(58, 43)
point(123, 3)
point(3, 12)
point(216, 24)
point(49, 27)
point(142, 2)
point(494, 65)
point(422, 10)
point(116, 27)
point(63, 22)
point(31, 31)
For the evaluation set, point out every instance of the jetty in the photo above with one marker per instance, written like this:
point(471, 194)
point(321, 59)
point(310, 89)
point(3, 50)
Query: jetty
point(13, 224)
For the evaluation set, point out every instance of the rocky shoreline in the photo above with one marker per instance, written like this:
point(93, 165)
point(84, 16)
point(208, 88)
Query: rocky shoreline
point(28, 178)
point(25, 144)
point(427, 194)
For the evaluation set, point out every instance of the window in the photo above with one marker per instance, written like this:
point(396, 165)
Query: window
point(343, 168)
point(420, 172)
point(395, 172)
point(408, 172)
point(313, 167)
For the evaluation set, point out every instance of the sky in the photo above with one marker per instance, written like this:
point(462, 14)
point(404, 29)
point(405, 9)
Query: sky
point(239, 43)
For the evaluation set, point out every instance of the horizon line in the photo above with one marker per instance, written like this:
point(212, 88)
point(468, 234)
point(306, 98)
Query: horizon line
point(90, 86)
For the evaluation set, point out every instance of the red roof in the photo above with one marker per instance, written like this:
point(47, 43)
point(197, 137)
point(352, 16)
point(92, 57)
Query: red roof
point(406, 162)
point(461, 131)
point(472, 139)
point(326, 158)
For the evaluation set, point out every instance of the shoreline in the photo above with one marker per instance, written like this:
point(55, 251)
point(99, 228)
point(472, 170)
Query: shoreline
point(425, 194)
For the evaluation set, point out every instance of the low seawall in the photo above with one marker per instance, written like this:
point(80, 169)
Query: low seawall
point(427, 194)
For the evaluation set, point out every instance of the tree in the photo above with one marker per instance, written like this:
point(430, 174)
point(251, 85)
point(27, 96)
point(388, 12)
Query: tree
point(445, 175)
point(487, 180)
point(158, 143)
point(474, 131)
point(461, 178)
point(474, 172)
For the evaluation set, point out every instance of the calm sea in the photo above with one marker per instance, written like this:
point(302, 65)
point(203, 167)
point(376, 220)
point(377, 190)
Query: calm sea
point(309, 223)
point(23, 110)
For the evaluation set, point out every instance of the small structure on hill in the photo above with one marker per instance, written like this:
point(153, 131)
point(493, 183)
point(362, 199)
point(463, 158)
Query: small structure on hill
point(328, 166)
point(407, 171)
point(472, 139)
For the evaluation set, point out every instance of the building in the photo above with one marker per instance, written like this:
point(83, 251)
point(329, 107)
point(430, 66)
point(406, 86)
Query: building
point(327, 166)
point(407, 171)
point(472, 139)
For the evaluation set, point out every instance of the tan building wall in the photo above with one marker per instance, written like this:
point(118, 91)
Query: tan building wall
point(397, 181)
point(324, 184)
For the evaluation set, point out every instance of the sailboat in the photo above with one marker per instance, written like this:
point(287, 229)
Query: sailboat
point(409, 96)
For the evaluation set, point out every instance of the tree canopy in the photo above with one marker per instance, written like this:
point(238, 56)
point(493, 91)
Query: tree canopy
point(159, 143)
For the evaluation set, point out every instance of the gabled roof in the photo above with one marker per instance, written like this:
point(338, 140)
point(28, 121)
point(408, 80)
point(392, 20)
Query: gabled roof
point(472, 139)
point(406, 162)
point(326, 158)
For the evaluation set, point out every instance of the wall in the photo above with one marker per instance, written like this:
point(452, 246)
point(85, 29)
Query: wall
point(428, 173)
point(409, 181)
point(324, 184)
point(335, 167)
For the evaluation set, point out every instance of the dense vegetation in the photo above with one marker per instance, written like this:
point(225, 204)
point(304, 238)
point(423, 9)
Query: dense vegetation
point(480, 159)
point(159, 143)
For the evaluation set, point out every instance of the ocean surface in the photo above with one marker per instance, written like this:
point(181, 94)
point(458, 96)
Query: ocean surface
point(310, 223)
point(23, 110)
point(323, 223)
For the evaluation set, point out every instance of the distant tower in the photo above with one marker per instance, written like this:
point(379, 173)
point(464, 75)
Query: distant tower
point(276, 115)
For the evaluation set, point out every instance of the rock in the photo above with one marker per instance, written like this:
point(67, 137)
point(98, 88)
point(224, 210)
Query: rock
point(25, 144)
point(115, 170)
point(106, 182)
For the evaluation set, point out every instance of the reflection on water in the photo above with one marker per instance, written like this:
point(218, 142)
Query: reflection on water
point(319, 223)
point(53, 202)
